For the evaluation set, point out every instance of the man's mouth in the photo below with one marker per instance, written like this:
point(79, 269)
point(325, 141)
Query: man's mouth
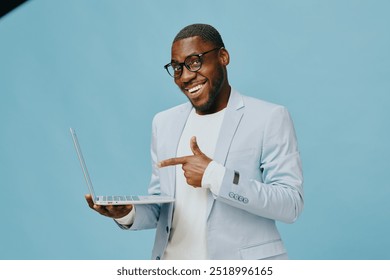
point(195, 89)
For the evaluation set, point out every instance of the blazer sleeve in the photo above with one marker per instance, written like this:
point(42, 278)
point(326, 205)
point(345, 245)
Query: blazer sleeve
point(277, 193)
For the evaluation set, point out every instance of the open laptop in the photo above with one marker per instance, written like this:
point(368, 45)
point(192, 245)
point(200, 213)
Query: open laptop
point(114, 199)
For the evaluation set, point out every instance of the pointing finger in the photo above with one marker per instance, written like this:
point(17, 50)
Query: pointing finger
point(172, 161)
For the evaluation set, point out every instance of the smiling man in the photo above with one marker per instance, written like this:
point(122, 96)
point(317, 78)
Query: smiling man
point(231, 162)
point(206, 87)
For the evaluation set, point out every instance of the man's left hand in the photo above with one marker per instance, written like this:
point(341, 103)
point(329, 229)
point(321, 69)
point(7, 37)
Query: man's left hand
point(193, 166)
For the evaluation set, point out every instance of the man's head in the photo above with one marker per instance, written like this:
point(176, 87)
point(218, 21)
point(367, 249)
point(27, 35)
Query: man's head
point(198, 65)
point(206, 32)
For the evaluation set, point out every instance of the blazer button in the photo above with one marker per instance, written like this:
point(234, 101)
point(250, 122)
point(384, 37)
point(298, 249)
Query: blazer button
point(231, 195)
point(236, 196)
point(246, 200)
point(241, 199)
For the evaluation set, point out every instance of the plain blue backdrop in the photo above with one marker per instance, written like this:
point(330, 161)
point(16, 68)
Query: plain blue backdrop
point(97, 65)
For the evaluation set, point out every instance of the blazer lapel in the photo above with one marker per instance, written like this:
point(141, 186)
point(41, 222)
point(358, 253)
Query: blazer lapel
point(229, 126)
point(231, 121)
point(174, 131)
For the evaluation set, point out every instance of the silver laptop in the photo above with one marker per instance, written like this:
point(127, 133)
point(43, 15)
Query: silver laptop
point(115, 199)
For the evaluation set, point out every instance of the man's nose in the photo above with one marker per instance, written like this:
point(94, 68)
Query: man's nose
point(187, 75)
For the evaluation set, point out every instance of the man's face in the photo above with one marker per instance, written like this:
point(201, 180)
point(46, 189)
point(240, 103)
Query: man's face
point(207, 88)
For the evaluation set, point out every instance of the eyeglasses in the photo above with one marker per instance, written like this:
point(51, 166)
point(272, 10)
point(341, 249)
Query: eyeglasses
point(192, 62)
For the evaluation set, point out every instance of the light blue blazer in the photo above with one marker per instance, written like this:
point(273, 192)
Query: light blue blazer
point(262, 182)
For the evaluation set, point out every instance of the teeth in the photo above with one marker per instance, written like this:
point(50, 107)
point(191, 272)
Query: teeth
point(198, 87)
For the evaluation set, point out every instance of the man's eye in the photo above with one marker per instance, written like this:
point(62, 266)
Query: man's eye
point(176, 68)
point(195, 62)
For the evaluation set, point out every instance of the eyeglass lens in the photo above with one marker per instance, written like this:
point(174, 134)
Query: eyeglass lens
point(192, 63)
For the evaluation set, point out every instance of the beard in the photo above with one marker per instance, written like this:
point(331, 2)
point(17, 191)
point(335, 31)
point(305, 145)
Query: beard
point(210, 104)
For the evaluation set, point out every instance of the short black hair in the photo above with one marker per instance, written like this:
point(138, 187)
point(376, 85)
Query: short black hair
point(205, 31)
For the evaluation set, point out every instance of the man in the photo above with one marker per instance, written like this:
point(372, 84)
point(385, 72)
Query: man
point(231, 161)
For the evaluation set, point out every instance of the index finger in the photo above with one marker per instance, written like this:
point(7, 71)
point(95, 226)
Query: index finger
point(172, 161)
point(89, 199)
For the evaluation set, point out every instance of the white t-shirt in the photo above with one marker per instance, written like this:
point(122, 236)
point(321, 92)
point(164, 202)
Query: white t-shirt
point(188, 238)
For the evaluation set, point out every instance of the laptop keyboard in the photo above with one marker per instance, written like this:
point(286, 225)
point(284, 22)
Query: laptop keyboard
point(121, 198)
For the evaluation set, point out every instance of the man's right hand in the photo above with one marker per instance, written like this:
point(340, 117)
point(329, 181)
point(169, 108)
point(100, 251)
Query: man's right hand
point(111, 211)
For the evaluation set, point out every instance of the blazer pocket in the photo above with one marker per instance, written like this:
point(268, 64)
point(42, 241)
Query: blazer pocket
point(262, 251)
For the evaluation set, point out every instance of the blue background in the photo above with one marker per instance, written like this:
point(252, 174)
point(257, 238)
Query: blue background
point(96, 65)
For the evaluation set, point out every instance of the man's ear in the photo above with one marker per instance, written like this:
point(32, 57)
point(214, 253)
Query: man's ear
point(224, 56)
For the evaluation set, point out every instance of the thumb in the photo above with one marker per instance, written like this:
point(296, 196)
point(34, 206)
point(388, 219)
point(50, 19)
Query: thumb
point(194, 147)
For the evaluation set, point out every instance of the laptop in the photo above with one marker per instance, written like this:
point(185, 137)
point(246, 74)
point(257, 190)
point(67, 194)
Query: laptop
point(114, 199)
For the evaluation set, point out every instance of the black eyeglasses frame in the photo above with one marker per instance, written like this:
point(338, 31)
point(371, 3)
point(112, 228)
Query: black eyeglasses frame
point(199, 55)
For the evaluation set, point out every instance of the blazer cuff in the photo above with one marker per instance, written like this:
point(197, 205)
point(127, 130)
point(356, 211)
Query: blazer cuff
point(213, 177)
point(127, 220)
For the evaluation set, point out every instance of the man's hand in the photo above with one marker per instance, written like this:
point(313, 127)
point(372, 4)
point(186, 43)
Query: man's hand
point(193, 166)
point(111, 211)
